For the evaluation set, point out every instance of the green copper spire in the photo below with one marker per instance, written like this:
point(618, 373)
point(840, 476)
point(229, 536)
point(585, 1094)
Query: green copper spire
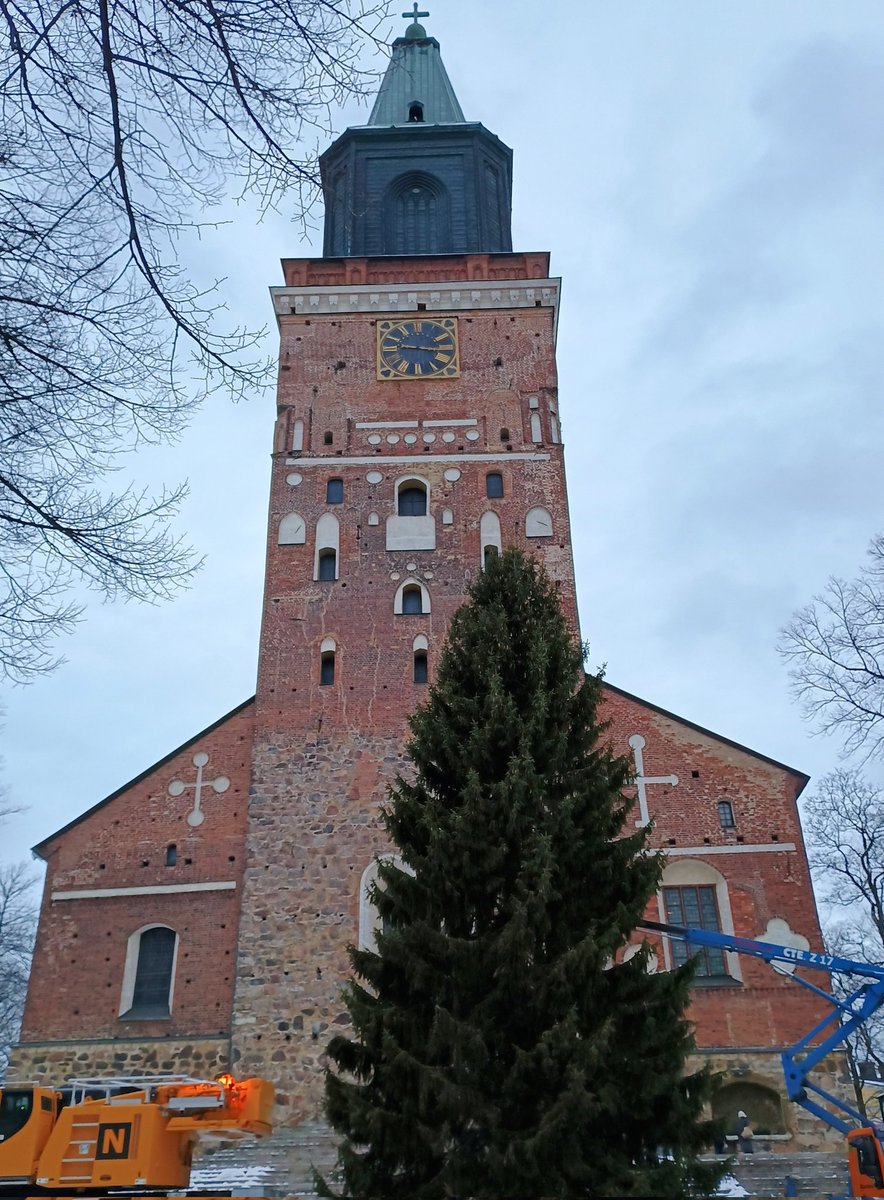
point(416, 88)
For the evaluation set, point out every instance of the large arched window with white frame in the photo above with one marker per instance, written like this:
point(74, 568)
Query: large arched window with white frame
point(489, 531)
point(370, 923)
point(693, 893)
point(149, 974)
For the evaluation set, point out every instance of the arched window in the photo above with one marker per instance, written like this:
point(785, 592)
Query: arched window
point(421, 669)
point(328, 438)
point(694, 893)
point(416, 111)
point(334, 491)
point(298, 436)
point(325, 564)
point(494, 485)
point(327, 652)
point(328, 564)
point(504, 434)
point(148, 974)
point(413, 594)
point(369, 917)
point(489, 533)
point(412, 601)
point(412, 500)
point(417, 215)
point(536, 435)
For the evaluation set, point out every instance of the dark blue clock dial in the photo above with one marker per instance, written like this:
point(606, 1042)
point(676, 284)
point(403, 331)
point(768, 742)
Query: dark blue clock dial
point(418, 349)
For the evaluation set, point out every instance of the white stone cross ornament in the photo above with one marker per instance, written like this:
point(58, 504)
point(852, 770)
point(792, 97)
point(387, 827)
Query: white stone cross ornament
point(177, 787)
point(641, 780)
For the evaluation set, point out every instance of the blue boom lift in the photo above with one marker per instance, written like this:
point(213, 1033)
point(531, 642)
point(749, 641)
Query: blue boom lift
point(864, 1151)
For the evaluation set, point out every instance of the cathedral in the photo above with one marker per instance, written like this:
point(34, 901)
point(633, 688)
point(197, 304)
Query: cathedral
point(199, 916)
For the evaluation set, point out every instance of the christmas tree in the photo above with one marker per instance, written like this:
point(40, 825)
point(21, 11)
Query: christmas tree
point(501, 1048)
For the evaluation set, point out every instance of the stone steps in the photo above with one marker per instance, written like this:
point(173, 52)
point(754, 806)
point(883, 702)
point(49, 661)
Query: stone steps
point(280, 1166)
point(814, 1175)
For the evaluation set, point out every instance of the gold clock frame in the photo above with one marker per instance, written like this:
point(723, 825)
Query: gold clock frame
point(386, 372)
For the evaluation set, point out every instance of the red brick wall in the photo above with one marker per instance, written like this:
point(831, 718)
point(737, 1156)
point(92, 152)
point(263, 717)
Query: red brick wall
point(77, 975)
point(767, 1009)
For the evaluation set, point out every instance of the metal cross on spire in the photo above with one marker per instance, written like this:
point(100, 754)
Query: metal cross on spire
point(415, 16)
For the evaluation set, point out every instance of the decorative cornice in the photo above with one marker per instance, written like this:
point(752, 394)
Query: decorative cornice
point(418, 297)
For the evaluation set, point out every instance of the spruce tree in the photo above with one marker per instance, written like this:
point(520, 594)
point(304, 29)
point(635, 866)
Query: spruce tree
point(500, 1050)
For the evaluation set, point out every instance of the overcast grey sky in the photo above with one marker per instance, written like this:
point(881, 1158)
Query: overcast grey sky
point(709, 176)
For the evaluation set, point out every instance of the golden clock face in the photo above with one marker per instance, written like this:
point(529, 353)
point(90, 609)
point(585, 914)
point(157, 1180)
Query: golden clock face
point(418, 349)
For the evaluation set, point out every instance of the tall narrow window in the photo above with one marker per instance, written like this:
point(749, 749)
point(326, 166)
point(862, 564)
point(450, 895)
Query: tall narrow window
point(334, 491)
point(726, 814)
point(327, 668)
point(489, 553)
point(494, 485)
point(696, 908)
point(328, 438)
point(412, 601)
point(420, 666)
point(412, 501)
point(328, 534)
point(171, 855)
point(147, 986)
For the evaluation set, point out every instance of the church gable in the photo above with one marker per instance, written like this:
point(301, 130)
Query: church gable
point(141, 899)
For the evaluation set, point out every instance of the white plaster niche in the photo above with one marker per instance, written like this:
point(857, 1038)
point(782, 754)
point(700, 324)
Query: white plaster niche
point(298, 436)
point(472, 435)
point(452, 474)
point(374, 439)
point(374, 519)
point(294, 479)
point(410, 438)
point(414, 530)
point(538, 523)
point(292, 530)
point(447, 516)
point(374, 477)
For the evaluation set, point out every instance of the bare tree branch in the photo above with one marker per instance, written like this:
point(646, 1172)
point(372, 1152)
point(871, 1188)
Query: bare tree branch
point(844, 824)
point(121, 124)
point(835, 646)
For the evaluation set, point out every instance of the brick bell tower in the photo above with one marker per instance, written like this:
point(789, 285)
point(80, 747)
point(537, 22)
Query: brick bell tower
point(417, 433)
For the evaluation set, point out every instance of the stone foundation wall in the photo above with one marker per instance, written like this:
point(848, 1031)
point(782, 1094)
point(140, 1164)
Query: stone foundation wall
point(52, 1063)
point(804, 1131)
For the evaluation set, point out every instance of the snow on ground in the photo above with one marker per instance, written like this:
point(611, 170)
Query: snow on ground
point(227, 1178)
point(731, 1187)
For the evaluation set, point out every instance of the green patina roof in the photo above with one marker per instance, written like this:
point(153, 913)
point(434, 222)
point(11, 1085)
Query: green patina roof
point(416, 75)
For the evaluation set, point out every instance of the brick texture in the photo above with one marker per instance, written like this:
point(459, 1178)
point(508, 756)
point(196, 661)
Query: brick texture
point(261, 965)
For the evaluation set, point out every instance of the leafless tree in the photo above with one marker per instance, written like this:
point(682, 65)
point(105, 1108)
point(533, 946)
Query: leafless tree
point(844, 823)
point(18, 924)
point(836, 649)
point(121, 123)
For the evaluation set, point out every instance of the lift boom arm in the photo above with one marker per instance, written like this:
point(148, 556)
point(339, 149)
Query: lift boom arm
point(846, 1014)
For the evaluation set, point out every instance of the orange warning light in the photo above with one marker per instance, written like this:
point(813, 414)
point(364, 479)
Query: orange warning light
point(226, 1081)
